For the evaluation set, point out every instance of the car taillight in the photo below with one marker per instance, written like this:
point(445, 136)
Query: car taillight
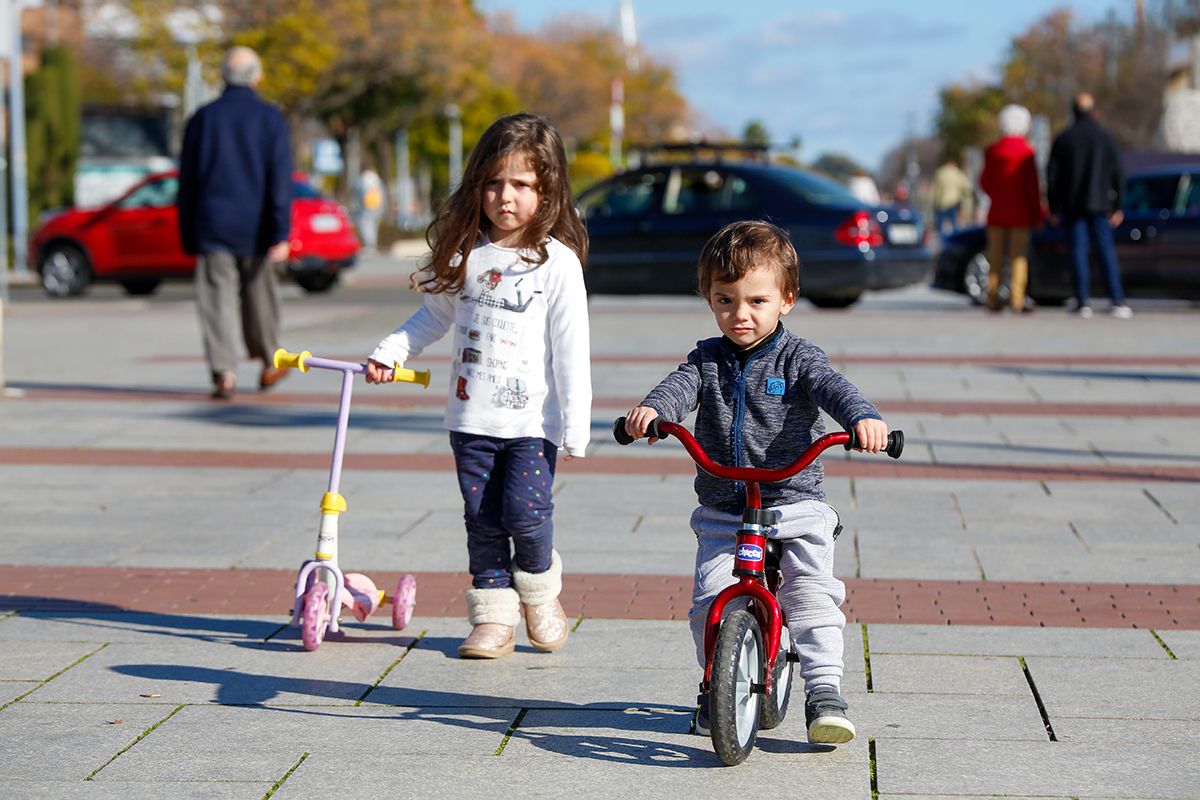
point(860, 230)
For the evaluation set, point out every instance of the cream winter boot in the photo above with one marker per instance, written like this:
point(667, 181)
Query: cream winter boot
point(494, 613)
point(545, 621)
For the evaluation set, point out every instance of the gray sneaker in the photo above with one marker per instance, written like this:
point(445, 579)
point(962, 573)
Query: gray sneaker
point(700, 718)
point(825, 713)
point(1122, 312)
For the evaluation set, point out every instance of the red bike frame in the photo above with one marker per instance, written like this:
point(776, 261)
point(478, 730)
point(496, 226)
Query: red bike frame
point(750, 552)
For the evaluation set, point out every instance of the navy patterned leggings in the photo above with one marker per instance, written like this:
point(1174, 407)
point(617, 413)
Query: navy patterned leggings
point(506, 487)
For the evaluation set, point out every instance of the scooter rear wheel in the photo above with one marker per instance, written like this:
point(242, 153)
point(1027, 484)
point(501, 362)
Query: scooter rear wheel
point(314, 620)
point(735, 694)
point(403, 602)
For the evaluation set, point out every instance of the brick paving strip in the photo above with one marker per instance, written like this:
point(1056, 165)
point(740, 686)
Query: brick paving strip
point(72, 590)
point(862, 467)
point(388, 398)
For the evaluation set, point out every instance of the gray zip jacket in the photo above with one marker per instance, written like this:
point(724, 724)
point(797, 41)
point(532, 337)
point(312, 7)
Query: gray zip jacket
point(759, 408)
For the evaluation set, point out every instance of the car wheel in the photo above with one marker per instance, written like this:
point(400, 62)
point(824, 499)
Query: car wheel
point(317, 281)
point(140, 286)
point(975, 280)
point(65, 270)
point(840, 301)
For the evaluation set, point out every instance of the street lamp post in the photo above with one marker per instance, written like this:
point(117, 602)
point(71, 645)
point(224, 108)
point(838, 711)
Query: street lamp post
point(17, 164)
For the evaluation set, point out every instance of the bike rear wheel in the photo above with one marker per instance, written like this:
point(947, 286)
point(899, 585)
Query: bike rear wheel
point(734, 695)
point(775, 705)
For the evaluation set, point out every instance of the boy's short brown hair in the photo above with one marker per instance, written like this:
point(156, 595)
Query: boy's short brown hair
point(740, 247)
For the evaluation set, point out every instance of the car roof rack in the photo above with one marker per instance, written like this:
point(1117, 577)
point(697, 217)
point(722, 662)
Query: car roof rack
point(699, 151)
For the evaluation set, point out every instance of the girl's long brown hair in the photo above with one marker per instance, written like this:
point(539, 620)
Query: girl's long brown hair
point(460, 220)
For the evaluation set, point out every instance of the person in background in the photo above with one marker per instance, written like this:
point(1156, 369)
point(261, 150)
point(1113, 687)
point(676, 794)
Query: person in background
point(1010, 179)
point(1084, 184)
point(370, 208)
point(235, 201)
point(952, 191)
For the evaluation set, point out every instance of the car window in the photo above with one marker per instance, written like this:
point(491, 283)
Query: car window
point(1191, 199)
point(814, 188)
point(701, 191)
point(625, 196)
point(1150, 194)
point(155, 194)
point(304, 191)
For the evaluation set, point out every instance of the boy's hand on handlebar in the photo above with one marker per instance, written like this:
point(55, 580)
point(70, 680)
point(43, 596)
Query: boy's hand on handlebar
point(378, 373)
point(638, 420)
point(871, 435)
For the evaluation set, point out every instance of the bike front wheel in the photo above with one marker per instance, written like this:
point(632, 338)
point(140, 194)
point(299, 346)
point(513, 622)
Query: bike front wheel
point(735, 693)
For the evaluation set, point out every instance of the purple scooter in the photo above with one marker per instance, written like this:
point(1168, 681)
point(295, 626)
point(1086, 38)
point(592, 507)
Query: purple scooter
point(321, 587)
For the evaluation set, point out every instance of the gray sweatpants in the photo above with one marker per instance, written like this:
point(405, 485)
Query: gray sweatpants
point(232, 289)
point(809, 593)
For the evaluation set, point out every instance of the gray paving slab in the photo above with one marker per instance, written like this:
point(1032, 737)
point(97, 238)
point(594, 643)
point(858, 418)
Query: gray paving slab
point(956, 717)
point(1116, 730)
point(1183, 644)
point(70, 741)
point(1113, 688)
point(183, 671)
point(979, 675)
point(37, 661)
point(1090, 643)
point(216, 789)
point(1020, 768)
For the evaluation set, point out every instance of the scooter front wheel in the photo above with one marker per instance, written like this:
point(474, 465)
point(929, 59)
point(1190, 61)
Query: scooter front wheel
point(403, 602)
point(735, 691)
point(314, 619)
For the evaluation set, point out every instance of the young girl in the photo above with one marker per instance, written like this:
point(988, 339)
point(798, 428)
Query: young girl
point(506, 273)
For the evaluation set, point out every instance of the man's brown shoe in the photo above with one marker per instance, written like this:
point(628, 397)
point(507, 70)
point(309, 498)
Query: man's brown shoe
point(271, 376)
point(225, 386)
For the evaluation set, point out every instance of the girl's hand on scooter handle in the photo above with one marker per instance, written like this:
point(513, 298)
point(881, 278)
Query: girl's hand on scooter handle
point(638, 420)
point(871, 435)
point(378, 373)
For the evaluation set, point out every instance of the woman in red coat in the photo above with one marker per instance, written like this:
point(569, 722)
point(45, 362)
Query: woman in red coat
point(1010, 179)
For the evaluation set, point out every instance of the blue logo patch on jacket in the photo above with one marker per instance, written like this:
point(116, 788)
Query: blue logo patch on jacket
point(776, 386)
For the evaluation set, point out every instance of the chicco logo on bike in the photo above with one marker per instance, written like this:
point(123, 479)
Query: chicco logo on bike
point(750, 552)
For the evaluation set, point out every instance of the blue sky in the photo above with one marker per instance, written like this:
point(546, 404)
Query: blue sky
point(850, 77)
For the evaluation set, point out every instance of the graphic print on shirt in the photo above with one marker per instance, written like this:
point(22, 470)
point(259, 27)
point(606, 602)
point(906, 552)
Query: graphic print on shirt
point(494, 361)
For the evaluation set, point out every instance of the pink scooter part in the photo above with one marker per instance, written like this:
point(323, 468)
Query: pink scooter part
point(404, 601)
point(315, 618)
point(361, 595)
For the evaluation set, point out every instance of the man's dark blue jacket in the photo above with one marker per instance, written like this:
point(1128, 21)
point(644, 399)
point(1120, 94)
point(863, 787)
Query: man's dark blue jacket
point(235, 176)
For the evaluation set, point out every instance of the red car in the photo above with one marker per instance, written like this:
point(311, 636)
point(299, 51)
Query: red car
point(134, 240)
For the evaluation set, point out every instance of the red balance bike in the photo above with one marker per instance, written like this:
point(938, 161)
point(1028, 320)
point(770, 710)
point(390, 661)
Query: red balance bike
point(748, 654)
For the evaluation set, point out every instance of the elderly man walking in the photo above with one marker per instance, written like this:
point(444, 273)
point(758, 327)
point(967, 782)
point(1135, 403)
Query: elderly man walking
point(1084, 182)
point(235, 197)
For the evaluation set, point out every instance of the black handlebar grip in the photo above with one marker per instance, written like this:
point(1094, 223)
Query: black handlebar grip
point(895, 443)
point(620, 434)
point(652, 429)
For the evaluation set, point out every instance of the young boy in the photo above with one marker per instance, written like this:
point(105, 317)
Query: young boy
point(758, 391)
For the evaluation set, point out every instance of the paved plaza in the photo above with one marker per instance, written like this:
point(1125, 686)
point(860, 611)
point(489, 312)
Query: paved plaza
point(1024, 584)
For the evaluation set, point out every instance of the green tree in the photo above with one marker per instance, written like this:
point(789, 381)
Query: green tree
point(52, 118)
point(755, 134)
point(839, 166)
point(966, 116)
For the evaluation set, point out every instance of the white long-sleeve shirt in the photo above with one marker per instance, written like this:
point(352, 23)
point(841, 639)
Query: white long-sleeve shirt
point(522, 346)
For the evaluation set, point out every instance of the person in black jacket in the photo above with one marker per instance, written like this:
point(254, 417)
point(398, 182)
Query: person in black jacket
point(235, 198)
point(1084, 182)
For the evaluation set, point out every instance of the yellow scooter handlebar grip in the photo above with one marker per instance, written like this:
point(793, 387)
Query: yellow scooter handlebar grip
point(399, 374)
point(285, 360)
